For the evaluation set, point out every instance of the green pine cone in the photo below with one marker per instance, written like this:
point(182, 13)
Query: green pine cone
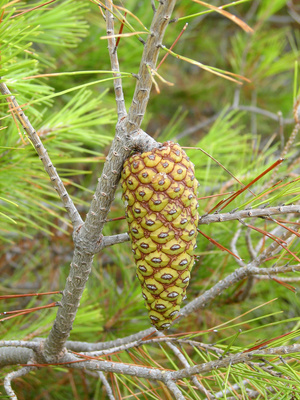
point(160, 195)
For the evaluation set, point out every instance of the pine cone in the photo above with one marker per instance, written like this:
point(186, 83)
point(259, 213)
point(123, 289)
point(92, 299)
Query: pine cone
point(160, 195)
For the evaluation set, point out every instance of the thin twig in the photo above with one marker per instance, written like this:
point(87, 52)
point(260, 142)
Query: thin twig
point(44, 157)
point(258, 212)
point(286, 149)
point(14, 375)
point(112, 49)
point(249, 244)
point(219, 217)
point(20, 343)
point(234, 248)
point(106, 385)
point(149, 59)
point(108, 241)
point(186, 364)
point(251, 109)
point(171, 385)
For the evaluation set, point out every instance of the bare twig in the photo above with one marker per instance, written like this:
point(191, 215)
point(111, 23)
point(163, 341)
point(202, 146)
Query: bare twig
point(14, 375)
point(249, 244)
point(251, 109)
point(20, 343)
point(236, 276)
point(234, 248)
point(171, 385)
point(286, 149)
point(220, 217)
point(186, 364)
point(106, 385)
point(258, 212)
point(44, 157)
point(115, 239)
point(149, 59)
point(85, 346)
point(112, 49)
point(234, 359)
point(12, 355)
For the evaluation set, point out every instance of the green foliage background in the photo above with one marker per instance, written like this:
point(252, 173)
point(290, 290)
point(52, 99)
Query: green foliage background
point(74, 114)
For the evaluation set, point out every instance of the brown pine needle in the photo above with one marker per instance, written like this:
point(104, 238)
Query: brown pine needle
point(285, 284)
point(285, 227)
point(228, 15)
point(275, 187)
point(269, 235)
point(10, 3)
point(218, 162)
point(234, 196)
point(214, 195)
point(13, 296)
point(119, 35)
point(31, 9)
point(175, 41)
point(266, 342)
point(16, 123)
point(126, 11)
point(54, 304)
point(148, 337)
point(121, 29)
point(279, 241)
point(153, 80)
point(218, 244)
point(17, 313)
point(161, 78)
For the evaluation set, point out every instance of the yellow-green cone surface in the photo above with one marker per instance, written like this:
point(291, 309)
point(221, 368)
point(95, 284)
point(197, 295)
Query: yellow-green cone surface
point(160, 194)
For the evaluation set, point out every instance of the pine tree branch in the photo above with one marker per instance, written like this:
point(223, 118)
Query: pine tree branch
point(186, 364)
point(106, 385)
point(87, 347)
point(112, 49)
point(108, 241)
point(220, 217)
point(44, 157)
point(244, 357)
point(88, 237)
point(149, 59)
point(97, 349)
point(174, 389)
point(166, 376)
point(250, 109)
point(14, 375)
point(14, 355)
point(236, 276)
point(259, 212)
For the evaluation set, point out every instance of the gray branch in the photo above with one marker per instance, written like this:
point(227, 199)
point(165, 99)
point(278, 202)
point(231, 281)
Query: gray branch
point(259, 212)
point(106, 385)
point(186, 364)
point(44, 157)
point(14, 355)
point(14, 375)
point(149, 59)
point(234, 359)
point(251, 109)
point(171, 385)
point(220, 217)
point(114, 60)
